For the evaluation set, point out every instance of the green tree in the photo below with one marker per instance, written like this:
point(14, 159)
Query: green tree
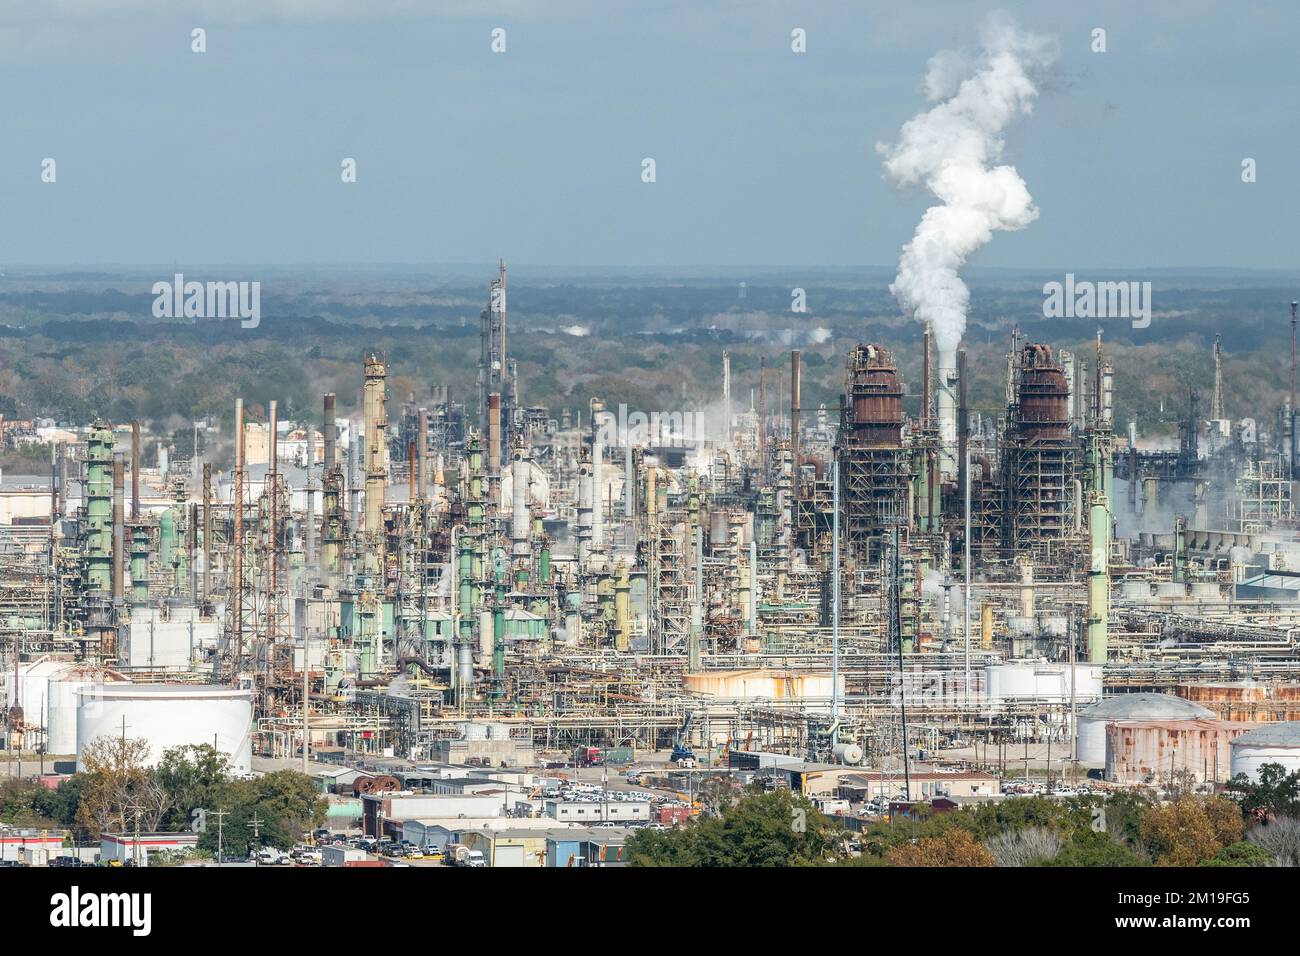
point(1241, 854)
point(194, 776)
point(1276, 794)
point(1087, 848)
point(759, 829)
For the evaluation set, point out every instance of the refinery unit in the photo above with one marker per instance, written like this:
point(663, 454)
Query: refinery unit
point(817, 584)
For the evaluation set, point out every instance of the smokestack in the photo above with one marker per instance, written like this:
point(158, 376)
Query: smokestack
point(309, 512)
point(207, 530)
point(597, 491)
point(119, 528)
point(963, 422)
point(762, 415)
point(726, 396)
point(494, 434)
point(954, 149)
point(376, 471)
point(1216, 406)
point(135, 470)
point(927, 399)
point(1293, 320)
point(330, 435)
point(236, 579)
point(273, 449)
point(947, 403)
point(422, 450)
point(794, 414)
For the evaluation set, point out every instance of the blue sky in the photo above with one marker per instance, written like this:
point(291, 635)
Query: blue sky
point(763, 156)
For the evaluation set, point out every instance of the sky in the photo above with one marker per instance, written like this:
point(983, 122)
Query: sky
point(763, 156)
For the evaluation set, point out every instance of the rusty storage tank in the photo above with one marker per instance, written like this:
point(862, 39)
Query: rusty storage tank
point(1044, 395)
point(1124, 708)
point(875, 398)
point(1152, 751)
point(1245, 700)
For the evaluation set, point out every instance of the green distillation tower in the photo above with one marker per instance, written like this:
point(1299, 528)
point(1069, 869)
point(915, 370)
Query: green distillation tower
point(97, 536)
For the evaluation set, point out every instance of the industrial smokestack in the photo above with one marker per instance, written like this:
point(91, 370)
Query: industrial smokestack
point(951, 149)
point(597, 492)
point(963, 422)
point(927, 398)
point(794, 414)
point(494, 434)
point(376, 453)
point(726, 396)
point(119, 528)
point(330, 435)
point(422, 450)
point(135, 470)
point(947, 404)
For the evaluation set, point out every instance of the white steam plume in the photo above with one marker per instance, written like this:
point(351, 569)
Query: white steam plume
point(950, 148)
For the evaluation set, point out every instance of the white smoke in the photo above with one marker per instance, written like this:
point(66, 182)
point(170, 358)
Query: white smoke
point(949, 148)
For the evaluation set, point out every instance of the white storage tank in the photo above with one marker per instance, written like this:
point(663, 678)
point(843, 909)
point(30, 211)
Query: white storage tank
point(1126, 707)
point(46, 689)
point(169, 715)
point(1273, 743)
point(848, 754)
point(1042, 680)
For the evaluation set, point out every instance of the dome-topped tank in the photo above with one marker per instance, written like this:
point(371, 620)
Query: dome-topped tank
point(1125, 707)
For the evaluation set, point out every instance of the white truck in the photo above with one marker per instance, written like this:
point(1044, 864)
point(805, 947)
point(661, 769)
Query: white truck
point(460, 855)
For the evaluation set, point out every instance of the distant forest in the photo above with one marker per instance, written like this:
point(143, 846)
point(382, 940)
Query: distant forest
point(74, 347)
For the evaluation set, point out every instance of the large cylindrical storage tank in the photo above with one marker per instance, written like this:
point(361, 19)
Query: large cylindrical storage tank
point(61, 728)
point(46, 690)
point(168, 715)
point(1129, 707)
point(1276, 743)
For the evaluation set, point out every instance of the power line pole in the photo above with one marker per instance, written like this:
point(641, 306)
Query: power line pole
point(255, 825)
point(221, 817)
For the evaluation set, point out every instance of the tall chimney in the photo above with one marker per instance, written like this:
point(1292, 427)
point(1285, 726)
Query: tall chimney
point(119, 528)
point(794, 415)
point(135, 470)
point(330, 434)
point(376, 424)
point(963, 422)
point(422, 450)
point(762, 416)
point(947, 404)
point(927, 399)
point(494, 434)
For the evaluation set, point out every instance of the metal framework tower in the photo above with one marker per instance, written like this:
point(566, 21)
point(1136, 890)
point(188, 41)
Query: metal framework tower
point(874, 478)
point(1039, 464)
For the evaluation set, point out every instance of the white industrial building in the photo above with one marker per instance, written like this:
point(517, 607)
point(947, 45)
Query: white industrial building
point(598, 811)
point(170, 639)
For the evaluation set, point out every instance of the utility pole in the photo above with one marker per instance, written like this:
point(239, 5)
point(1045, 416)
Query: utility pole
point(255, 825)
point(221, 817)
